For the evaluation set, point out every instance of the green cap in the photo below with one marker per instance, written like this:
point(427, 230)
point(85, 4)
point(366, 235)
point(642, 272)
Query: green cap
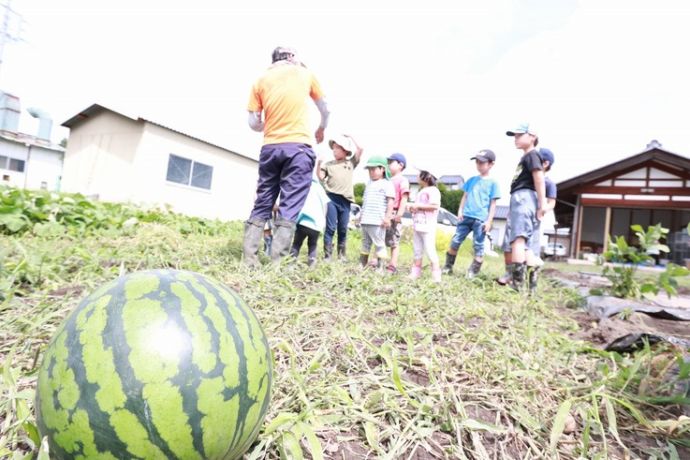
point(376, 161)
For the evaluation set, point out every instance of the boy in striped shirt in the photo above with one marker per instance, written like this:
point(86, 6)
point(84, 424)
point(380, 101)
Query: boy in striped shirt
point(377, 211)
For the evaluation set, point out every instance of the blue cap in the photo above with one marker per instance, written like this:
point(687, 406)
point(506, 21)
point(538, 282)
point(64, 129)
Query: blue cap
point(546, 155)
point(523, 128)
point(399, 157)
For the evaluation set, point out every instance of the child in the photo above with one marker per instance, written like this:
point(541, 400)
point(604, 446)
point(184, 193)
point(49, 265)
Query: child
point(336, 176)
point(396, 166)
point(527, 200)
point(311, 222)
point(476, 213)
point(377, 211)
point(534, 249)
point(424, 214)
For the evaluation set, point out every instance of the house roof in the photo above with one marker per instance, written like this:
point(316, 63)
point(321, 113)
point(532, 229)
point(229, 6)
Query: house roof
point(501, 212)
point(452, 179)
point(445, 179)
point(653, 152)
point(95, 109)
point(28, 140)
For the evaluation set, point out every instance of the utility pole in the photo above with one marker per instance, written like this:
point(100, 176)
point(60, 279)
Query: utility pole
point(11, 27)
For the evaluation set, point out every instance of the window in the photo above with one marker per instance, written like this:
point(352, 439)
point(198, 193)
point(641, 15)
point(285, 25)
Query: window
point(201, 175)
point(188, 172)
point(16, 165)
point(3, 162)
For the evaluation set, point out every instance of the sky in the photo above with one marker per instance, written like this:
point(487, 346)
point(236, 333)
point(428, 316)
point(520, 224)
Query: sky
point(600, 78)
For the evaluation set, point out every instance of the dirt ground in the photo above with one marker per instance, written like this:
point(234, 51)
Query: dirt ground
point(602, 331)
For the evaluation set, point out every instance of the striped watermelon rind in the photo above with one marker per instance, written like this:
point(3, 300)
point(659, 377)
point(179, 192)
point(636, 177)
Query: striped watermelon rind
point(156, 364)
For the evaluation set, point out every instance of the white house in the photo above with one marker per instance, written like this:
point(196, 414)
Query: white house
point(27, 161)
point(117, 158)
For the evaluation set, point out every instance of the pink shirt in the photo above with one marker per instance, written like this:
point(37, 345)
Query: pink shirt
point(401, 186)
point(425, 221)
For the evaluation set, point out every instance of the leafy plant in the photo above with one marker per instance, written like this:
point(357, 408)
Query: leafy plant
point(627, 258)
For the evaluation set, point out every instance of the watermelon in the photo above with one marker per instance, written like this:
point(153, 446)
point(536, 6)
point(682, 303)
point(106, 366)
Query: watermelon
point(156, 364)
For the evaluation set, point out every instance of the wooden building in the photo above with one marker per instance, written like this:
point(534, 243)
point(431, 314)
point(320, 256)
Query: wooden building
point(648, 188)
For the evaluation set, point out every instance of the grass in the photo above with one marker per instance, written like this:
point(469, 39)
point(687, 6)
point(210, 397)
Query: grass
point(366, 365)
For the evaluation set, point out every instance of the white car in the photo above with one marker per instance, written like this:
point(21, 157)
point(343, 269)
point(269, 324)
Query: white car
point(555, 249)
point(447, 221)
point(355, 211)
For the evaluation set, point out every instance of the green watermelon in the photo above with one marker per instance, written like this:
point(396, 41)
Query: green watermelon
point(156, 364)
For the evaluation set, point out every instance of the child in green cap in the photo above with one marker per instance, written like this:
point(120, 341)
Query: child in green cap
point(377, 211)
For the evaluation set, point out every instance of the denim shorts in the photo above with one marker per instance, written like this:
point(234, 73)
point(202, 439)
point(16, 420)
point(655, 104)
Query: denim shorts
point(464, 227)
point(533, 244)
point(522, 215)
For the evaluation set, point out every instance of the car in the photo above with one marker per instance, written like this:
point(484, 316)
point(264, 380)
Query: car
point(447, 221)
point(554, 249)
point(355, 211)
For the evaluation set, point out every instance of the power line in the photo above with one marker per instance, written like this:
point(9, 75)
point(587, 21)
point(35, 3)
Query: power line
point(11, 27)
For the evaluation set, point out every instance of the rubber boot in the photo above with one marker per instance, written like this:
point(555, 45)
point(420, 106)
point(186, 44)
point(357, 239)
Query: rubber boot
point(327, 251)
point(283, 231)
point(518, 281)
point(415, 272)
point(533, 279)
point(342, 249)
point(253, 237)
point(450, 261)
point(507, 276)
point(364, 259)
point(474, 269)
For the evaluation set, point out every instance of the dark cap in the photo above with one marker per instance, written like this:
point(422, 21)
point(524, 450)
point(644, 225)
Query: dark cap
point(546, 155)
point(484, 156)
point(399, 157)
point(282, 53)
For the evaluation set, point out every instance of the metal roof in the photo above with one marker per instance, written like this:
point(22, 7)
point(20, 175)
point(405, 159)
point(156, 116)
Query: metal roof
point(28, 140)
point(95, 109)
point(652, 152)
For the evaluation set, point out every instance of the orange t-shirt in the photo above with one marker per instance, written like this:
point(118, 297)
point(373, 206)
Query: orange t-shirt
point(282, 93)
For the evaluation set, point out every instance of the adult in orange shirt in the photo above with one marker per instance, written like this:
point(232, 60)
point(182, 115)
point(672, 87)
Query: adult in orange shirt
point(286, 163)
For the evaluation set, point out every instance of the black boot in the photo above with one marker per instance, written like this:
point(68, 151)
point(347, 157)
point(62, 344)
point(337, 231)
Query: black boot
point(327, 251)
point(342, 249)
point(474, 269)
point(507, 276)
point(533, 279)
point(253, 236)
point(283, 231)
point(364, 259)
point(450, 261)
point(518, 281)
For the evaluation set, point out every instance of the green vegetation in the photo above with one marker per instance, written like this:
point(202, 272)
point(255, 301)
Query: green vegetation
point(365, 364)
point(627, 259)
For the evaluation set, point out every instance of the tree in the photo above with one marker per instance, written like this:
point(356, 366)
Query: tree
point(359, 193)
point(450, 199)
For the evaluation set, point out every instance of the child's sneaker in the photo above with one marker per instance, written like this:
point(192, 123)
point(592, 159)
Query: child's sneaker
point(436, 275)
point(415, 272)
point(392, 269)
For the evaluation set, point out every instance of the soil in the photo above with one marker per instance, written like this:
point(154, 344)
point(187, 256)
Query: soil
point(602, 331)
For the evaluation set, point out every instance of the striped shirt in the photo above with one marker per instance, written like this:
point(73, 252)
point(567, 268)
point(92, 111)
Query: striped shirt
point(376, 196)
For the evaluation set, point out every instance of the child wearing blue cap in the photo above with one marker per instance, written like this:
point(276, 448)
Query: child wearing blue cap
point(527, 200)
point(476, 213)
point(396, 165)
point(534, 261)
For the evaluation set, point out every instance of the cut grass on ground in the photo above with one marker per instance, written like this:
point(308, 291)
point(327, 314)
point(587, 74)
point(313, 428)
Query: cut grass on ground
point(366, 365)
